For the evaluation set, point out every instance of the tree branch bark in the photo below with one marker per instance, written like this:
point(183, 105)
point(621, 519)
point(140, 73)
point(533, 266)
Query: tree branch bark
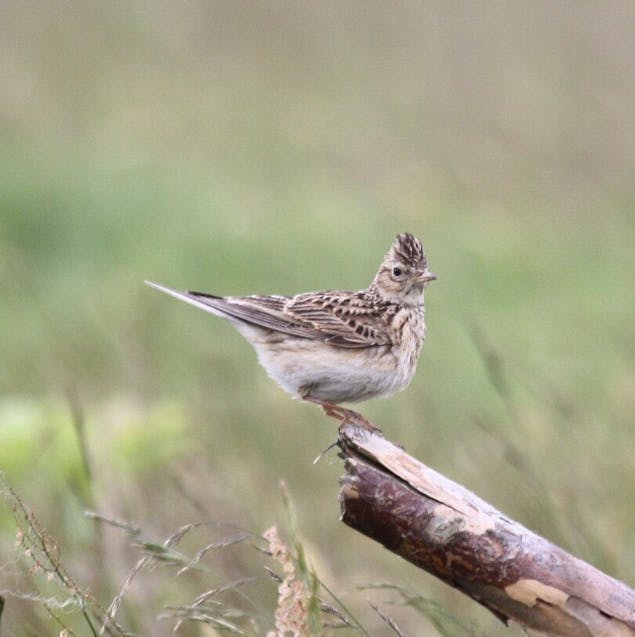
point(448, 531)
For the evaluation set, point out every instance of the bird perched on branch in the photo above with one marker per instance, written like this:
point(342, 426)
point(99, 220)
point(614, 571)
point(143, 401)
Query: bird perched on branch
point(331, 346)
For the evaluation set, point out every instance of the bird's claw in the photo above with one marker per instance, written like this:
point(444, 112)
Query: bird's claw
point(343, 414)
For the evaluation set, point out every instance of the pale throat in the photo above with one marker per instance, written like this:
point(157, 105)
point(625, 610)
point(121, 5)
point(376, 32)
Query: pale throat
point(413, 297)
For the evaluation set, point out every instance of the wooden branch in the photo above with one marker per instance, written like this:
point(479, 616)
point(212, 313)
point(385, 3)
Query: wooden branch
point(448, 531)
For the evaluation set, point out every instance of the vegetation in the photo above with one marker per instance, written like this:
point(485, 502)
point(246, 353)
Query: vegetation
point(267, 147)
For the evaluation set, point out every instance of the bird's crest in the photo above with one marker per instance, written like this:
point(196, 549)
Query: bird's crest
point(408, 250)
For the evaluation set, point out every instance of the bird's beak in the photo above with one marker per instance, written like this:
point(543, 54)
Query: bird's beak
point(425, 276)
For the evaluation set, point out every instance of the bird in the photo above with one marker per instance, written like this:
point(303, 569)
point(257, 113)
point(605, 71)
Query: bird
point(331, 346)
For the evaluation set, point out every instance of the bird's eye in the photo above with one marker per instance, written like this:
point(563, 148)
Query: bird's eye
point(397, 271)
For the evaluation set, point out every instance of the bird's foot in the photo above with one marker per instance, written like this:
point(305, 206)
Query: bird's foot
point(342, 413)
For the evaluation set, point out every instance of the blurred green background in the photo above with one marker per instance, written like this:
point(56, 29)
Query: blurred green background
point(239, 147)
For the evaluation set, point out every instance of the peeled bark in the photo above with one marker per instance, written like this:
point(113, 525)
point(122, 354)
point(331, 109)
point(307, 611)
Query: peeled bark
point(448, 531)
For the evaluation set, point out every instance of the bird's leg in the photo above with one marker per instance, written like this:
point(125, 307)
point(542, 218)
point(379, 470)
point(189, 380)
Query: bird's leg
point(339, 412)
point(331, 409)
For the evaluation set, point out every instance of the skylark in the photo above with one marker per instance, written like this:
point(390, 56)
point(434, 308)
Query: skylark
point(330, 346)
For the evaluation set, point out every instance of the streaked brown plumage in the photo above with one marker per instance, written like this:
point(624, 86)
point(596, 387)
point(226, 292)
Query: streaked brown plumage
point(335, 346)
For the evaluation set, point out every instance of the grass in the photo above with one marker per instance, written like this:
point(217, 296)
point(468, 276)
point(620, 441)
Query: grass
point(281, 153)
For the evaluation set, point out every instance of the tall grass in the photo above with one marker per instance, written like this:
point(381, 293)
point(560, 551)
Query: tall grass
point(242, 148)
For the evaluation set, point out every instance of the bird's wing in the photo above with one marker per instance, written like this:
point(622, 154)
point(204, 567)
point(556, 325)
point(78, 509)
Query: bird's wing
point(343, 319)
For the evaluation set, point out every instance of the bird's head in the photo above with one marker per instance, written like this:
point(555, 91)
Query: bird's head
point(404, 273)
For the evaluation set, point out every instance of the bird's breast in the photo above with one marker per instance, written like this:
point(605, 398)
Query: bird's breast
point(410, 333)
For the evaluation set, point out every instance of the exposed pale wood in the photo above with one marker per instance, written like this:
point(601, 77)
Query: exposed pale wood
point(445, 529)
